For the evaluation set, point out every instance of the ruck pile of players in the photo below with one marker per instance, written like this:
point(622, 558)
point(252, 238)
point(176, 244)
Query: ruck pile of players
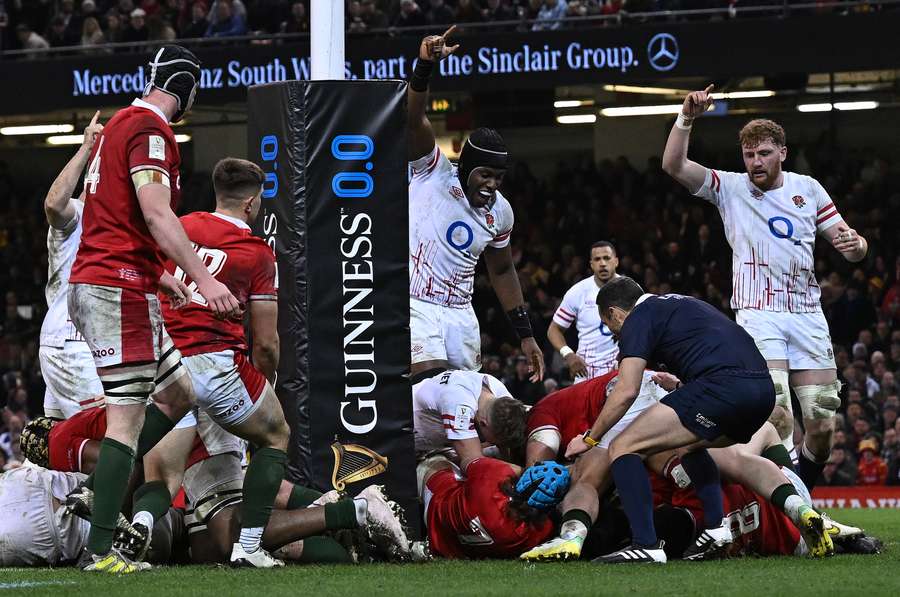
point(674, 442)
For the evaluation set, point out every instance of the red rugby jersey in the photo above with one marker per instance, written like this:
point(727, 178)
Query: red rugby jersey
point(116, 247)
point(468, 518)
point(237, 259)
point(68, 437)
point(572, 410)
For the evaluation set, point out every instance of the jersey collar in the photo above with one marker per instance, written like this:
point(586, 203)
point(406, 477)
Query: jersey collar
point(139, 103)
point(643, 298)
point(235, 221)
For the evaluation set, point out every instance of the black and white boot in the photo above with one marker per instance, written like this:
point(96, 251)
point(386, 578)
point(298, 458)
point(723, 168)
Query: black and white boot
point(634, 554)
point(711, 544)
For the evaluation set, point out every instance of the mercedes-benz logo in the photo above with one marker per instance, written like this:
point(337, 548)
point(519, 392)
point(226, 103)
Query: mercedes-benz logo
point(662, 51)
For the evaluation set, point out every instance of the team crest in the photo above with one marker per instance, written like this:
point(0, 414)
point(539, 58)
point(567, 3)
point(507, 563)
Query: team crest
point(457, 192)
point(799, 201)
point(489, 218)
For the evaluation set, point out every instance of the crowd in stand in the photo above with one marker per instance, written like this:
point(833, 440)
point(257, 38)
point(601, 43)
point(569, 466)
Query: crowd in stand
point(666, 240)
point(41, 24)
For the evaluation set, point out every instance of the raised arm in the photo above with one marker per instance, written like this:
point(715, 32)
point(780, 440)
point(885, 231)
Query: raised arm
point(675, 162)
point(57, 203)
point(432, 50)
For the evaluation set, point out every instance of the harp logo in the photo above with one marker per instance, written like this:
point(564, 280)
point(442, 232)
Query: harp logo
point(353, 463)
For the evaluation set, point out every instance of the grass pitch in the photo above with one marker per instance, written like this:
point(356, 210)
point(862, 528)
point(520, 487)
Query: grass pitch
point(756, 577)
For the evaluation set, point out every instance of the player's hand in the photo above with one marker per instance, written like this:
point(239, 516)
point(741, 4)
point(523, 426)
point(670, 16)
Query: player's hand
point(576, 447)
point(92, 131)
point(177, 291)
point(697, 102)
point(577, 366)
point(435, 48)
point(535, 359)
point(846, 240)
point(666, 381)
point(220, 300)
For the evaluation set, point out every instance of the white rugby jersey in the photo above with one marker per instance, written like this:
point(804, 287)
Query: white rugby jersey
point(446, 234)
point(62, 246)
point(444, 407)
point(595, 342)
point(772, 235)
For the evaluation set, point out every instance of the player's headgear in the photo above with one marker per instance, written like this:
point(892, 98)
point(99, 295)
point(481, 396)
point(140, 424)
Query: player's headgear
point(176, 71)
point(483, 148)
point(543, 485)
point(35, 441)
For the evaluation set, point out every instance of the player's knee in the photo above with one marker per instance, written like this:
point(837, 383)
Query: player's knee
point(819, 401)
point(783, 422)
point(782, 388)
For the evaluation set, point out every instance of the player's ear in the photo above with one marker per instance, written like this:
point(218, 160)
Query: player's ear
point(783, 153)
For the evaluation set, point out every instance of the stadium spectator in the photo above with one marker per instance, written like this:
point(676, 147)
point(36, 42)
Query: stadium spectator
point(519, 384)
point(160, 29)
point(410, 15)
point(500, 10)
point(198, 24)
point(871, 469)
point(136, 30)
point(550, 15)
point(226, 21)
point(439, 13)
point(113, 26)
point(29, 39)
point(92, 36)
point(372, 16)
point(468, 12)
point(355, 21)
point(298, 22)
point(838, 470)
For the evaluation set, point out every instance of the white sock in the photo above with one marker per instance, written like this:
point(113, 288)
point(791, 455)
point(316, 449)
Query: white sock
point(573, 529)
point(251, 538)
point(362, 508)
point(143, 517)
point(794, 506)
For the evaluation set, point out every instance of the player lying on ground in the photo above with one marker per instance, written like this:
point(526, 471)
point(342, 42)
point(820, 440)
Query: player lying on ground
point(456, 214)
point(772, 219)
point(462, 410)
point(212, 483)
point(484, 515)
point(37, 529)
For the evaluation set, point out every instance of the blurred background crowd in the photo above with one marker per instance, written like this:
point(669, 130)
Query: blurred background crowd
point(41, 24)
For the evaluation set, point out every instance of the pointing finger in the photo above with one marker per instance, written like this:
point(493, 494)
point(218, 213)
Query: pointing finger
point(708, 88)
point(94, 119)
point(449, 31)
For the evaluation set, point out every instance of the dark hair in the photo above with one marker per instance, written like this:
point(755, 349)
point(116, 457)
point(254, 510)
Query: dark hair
point(603, 244)
point(508, 421)
point(622, 292)
point(237, 179)
point(517, 506)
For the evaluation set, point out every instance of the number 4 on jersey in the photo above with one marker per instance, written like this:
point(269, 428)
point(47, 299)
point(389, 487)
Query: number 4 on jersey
point(213, 259)
point(92, 178)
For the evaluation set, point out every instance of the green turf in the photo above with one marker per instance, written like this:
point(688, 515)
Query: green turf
point(757, 577)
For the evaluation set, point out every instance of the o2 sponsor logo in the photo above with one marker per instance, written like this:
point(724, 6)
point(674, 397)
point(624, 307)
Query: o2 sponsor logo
point(353, 148)
point(781, 227)
point(460, 235)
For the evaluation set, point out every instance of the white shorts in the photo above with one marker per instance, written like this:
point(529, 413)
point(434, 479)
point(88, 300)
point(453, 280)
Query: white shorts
point(802, 339)
point(650, 394)
point(443, 333)
point(71, 378)
point(210, 486)
point(227, 386)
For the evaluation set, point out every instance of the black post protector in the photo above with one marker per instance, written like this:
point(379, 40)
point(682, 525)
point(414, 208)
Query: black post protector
point(335, 210)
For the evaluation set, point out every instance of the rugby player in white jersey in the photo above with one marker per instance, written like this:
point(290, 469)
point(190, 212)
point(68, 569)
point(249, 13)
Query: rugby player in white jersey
point(463, 409)
point(771, 221)
point(597, 350)
point(455, 215)
point(66, 363)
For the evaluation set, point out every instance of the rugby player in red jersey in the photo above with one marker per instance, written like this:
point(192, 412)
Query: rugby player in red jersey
point(481, 515)
point(131, 187)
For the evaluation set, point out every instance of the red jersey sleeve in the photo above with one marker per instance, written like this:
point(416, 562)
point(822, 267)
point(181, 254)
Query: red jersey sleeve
point(264, 284)
point(151, 147)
